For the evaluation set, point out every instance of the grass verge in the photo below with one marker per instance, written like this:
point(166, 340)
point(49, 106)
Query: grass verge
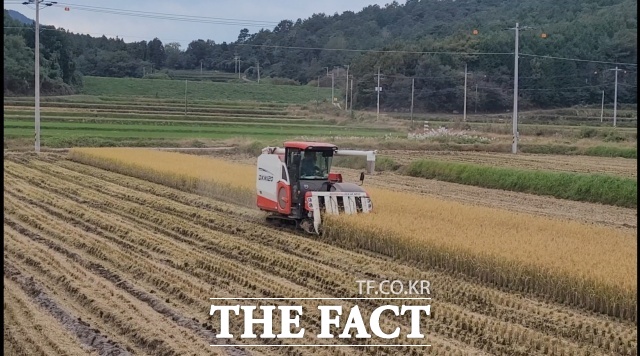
point(594, 188)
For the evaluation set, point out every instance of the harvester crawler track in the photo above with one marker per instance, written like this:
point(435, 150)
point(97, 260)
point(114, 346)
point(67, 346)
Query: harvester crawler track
point(305, 226)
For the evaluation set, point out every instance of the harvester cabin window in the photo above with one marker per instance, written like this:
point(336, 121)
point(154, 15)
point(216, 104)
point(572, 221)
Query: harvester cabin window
point(293, 163)
point(284, 175)
point(315, 165)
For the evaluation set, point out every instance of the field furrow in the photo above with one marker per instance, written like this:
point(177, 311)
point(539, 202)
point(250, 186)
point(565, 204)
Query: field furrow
point(31, 329)
point(98, 302)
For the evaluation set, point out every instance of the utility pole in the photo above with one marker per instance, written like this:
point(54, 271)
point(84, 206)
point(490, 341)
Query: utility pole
point(185, 97)
point(615, 97)
point(37, 73)
point(378, 89)
point(346, 92)
point(235, 64)
point(351, 105)
point(258, 64)
point(201, 67)
point(327, 68)
point(332, 85)
point(317, 93)
point(413, 81)
point(475, 109)
point(602, 108)
point(464, 115)
point(239, 61)
point(37, 67)
point(514, 146)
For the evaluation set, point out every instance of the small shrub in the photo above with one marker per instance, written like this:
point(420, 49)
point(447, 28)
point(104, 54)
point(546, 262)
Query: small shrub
point(613, 136)
point(587, 132)
point(197, 144)
point(384, 163)
point(607, 151)
point(164, 76)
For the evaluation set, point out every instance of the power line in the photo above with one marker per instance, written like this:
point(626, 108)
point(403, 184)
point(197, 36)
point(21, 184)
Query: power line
point(26, 27)
point(91, 33)
point(166, 16)
point(373, 50)
point(565, 88)
point(415, 77)
point(578, 60)
point(582, 76)
point(433, 52)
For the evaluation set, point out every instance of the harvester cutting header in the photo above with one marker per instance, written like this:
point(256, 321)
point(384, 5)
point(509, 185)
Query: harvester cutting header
point(296, 185)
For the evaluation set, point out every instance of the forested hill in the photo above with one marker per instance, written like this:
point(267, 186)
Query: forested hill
point(598, 30)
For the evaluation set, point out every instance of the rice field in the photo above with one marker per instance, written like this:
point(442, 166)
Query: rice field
point(495, 245)
point(100, 262)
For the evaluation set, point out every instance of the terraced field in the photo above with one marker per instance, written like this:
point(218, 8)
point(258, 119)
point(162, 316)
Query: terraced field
point(202, 90)
point(98, 262)
point(149, 118)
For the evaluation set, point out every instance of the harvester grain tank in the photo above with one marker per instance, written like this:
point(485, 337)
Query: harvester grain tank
point(295, 184)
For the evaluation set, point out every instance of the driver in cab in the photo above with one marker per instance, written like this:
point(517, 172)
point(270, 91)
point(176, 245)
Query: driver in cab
point(308, 167)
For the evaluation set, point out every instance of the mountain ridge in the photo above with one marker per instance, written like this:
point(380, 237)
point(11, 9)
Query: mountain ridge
point(20, 17)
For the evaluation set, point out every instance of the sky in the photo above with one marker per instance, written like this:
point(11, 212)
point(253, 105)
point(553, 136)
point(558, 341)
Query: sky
point(240, 13)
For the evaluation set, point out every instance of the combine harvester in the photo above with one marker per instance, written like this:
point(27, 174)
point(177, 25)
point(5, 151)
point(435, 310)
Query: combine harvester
point(296, 186)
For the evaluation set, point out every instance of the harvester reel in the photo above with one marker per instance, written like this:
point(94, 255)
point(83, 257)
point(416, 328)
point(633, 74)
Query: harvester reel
point(337, 203)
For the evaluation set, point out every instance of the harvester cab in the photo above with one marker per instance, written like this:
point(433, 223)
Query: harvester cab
point(295, 184)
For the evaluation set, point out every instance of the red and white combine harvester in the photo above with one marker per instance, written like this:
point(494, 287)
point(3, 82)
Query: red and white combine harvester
point(295, 184)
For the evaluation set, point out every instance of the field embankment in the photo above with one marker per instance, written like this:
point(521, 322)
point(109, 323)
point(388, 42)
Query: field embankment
point(588, 266)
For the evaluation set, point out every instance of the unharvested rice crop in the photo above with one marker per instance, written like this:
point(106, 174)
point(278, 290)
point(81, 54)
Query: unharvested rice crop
point(214, 177)
point(578, 264)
